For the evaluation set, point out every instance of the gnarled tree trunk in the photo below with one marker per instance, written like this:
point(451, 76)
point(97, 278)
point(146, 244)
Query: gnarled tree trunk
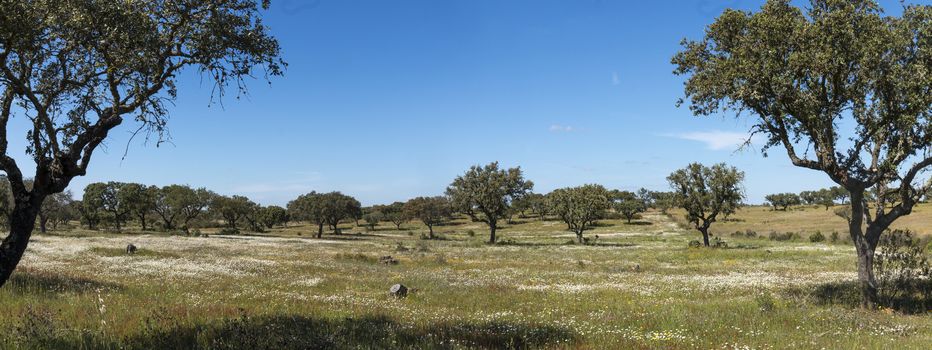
point(22, 222)
point(865, 243)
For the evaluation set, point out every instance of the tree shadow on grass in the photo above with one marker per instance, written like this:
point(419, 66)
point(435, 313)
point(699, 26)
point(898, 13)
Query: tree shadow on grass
point(913, 297)
point(567, 243)
point(639, 223)
point(369, 332)
point(25, 282)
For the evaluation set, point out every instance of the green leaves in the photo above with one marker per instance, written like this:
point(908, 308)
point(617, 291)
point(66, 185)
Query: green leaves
point(579, 207)
point(485, 193)
point(802, 73)
point(706, 192)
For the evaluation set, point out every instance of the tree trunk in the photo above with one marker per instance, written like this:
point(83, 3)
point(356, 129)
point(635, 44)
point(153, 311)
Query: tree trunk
point(579, 237)
point(142, 221)
point(320, 230)
point(430, 231)
point(492, 226)
point(865, 248)
point(22, 222)
point(705, 235)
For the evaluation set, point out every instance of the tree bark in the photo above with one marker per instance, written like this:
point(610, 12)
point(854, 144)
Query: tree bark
point(865, 248)
point(579, 237)
point(320, 230)
point(22, 222)
point(430, 231)
point(705, 235)
point(492, 226)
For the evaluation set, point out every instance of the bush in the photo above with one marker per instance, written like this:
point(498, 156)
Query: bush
point(229, 231)
point(776, 236)
point(903, 272)
point(471, 233)
point(750, 234)
point(834, 236)
point(816, 237)
point(719, 243)
point(695, 244)
point(765, 302)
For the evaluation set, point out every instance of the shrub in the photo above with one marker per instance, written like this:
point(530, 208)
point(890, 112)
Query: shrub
point(719, 243)
point(229, 231)
point(903, 272)
point(776, 236)
point(471, 233)
point(400, 247)
point(834, 236)
point(816, 237)
point(695, 244)
point(765, 302)
point(750, 234)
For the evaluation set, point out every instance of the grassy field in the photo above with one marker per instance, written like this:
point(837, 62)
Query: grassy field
point(637, 286)
point(805, 220)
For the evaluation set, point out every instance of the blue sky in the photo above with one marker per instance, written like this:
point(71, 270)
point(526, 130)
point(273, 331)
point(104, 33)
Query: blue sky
point(387, 100)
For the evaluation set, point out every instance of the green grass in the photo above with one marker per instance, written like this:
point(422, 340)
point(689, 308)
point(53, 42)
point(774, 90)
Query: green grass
point(637, 286)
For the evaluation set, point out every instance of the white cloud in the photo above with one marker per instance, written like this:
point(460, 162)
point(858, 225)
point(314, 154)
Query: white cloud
point(301, 181)
point(716, 140)
point(562, 128)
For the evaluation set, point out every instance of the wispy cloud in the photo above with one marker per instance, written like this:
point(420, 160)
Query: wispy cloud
point(716, 140)
point(299, 182)
point(615, 79)
point(562, 128)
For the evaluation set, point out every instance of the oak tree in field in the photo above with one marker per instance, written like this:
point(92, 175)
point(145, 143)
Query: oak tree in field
point(537, 204)
point(140, 200)
point(783, 200)
point(56, 209)
point(75, 70)
point(178, 205)
point(580, 207)
point(663, 201)
point(843, 88)
point(628, 204)
point(485, 193)
point(338, 207)
point(309, 207)
point(372, 219)
point(106, 199)
point(233, 209)
point(430, 210)
point(395, 213)
point(707, 192)
point(273, 215)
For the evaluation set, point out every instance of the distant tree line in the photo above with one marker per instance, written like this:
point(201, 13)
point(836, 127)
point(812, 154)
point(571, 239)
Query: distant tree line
point(826, 197)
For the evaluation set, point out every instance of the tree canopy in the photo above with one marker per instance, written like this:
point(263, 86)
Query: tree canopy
point(76, 69)
point(430, 210)
point(580, 207)
point(707, 192)
point(485, 193)
point(839, 78)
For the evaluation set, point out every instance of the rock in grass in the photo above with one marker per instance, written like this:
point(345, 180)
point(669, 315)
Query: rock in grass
point(398, 291)
point(131, 249)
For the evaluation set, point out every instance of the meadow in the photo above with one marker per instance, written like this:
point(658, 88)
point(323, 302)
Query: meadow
point(635, 286)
